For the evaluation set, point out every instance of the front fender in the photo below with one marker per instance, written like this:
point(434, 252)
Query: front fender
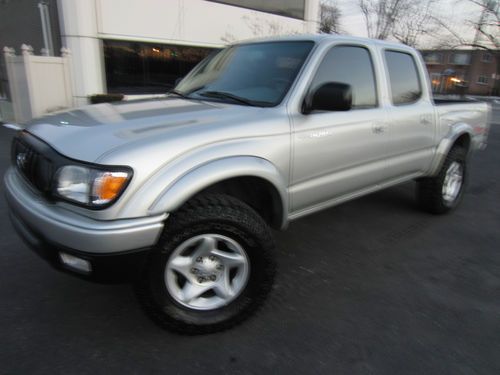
point(444, 147)
point(201, 177)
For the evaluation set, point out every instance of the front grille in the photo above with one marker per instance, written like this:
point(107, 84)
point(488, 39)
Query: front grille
point(32, 164)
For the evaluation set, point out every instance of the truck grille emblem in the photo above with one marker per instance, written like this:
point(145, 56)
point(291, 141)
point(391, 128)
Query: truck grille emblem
point(21, 160)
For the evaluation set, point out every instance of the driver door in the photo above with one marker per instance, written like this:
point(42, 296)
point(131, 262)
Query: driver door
point(340, 154)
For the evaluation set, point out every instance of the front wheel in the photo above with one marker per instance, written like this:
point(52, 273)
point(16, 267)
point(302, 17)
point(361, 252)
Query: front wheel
point(443, 192)
point(212, 268)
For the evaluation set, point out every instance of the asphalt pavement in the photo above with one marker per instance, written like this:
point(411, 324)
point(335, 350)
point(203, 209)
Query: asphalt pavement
point(373, 286)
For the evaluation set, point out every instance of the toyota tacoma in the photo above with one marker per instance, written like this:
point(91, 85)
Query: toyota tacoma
point(179, 194)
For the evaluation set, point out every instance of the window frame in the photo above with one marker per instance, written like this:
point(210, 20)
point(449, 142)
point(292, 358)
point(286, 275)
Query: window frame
point(307, 92)
point(388, 79)
point(452, 56)
point(489, 59)
point(303, 18)
point(436, 53)
point(486, 80)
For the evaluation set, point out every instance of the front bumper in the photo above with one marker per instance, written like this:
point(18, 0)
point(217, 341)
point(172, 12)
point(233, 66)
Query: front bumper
point(115, 249)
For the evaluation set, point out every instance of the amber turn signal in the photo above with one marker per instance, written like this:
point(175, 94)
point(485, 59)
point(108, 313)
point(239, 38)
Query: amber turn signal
point(108, 185)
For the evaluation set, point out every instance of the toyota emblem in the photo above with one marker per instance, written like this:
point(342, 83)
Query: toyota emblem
point(21, 160)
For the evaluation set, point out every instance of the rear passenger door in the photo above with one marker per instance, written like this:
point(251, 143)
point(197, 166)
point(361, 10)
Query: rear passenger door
point(411, 113)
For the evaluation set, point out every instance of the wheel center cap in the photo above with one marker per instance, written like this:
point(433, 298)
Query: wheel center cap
point(207, 268)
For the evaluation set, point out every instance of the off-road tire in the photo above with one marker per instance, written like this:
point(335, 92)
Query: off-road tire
point(219, 214)
point(430, 189)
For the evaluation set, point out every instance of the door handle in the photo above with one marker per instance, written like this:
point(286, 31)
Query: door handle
point(379, 128)
point(424, 120)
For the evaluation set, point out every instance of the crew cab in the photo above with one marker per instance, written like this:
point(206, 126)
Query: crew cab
point(178, 194)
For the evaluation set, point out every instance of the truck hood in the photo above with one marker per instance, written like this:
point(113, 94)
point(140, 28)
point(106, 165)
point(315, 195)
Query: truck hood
point(89, 132)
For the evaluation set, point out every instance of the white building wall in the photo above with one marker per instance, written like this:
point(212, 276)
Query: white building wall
point(196, 22)
point(84, 23)
point(78, 23)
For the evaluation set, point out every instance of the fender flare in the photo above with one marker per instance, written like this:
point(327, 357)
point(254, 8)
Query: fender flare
point(210, 173)
point(444, 147)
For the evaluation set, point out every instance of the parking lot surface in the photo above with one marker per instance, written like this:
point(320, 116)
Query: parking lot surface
point(373, 286)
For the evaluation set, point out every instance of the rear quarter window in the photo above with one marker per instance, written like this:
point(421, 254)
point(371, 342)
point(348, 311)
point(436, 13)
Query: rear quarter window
point(403, 77)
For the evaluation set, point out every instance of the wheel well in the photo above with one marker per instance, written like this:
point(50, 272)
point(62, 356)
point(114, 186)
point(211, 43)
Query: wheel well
point(257, 192)
point(463, 141)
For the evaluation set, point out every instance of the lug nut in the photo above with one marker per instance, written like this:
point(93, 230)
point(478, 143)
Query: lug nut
point(211, 257)
point(199, 260)
point(212, 277)
point(194, 270)
point(219, 267)
point(200, 279)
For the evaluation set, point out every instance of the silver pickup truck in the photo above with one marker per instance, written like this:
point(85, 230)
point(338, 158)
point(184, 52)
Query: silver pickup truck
point(179, 194)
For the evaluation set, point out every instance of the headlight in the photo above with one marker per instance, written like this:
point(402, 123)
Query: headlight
point(90, 186)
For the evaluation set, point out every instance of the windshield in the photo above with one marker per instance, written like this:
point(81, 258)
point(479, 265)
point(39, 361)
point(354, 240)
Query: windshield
point(251, 74)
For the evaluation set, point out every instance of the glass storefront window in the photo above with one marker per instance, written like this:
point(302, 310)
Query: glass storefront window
point(147, 68)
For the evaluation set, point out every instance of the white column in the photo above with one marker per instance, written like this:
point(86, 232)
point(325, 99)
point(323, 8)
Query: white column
point(78, 22)
point(312, 16)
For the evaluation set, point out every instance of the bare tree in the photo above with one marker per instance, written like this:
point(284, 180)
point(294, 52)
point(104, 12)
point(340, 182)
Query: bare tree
point(260, 27)
point(381, 16)
point(485, 24)
point(416, 21)
point(487, 28)
point(488, 33)
point(330, 15)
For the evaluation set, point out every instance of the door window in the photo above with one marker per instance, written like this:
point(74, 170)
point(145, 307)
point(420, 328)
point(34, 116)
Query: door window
point(353, 66)
point(403, 77)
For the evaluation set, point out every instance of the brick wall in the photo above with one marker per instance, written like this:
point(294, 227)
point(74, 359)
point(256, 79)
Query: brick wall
point(462, 71)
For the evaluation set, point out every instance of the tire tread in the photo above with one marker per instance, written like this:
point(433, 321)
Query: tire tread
point(204, 208)
point(429, 189)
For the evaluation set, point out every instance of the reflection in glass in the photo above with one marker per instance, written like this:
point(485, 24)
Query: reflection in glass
point(353, 66)
point(257, 73)
point(405, 82)
point(145, 68)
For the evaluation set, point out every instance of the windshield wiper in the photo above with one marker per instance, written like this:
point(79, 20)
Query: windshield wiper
point(178, 93)
point(227, 95)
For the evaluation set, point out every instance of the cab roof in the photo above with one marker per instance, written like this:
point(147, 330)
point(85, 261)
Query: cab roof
point(320, 38)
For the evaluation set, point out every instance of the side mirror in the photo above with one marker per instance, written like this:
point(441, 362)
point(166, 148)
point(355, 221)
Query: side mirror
point(331, 96)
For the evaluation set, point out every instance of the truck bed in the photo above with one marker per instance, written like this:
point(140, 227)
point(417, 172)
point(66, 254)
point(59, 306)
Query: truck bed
point(452, 101)
point(476, 114)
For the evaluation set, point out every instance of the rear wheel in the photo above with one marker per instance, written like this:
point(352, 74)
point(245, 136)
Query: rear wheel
point(212, 268)
point(444, 192)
